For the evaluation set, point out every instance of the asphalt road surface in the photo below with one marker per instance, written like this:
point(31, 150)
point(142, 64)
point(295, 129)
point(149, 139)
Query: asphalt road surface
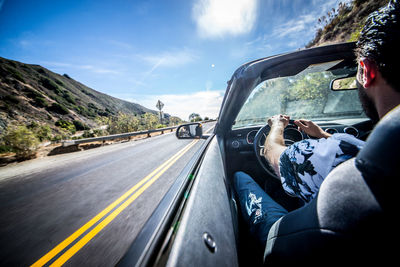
point(86, 208)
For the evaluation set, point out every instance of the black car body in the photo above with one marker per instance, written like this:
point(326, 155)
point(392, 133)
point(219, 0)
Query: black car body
point(198, 223)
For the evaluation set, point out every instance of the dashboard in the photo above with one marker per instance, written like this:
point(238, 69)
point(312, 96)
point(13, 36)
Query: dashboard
point(242, 140)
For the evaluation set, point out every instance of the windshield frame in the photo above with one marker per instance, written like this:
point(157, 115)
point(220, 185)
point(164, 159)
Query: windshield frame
point(307, 94)
point(249, 75)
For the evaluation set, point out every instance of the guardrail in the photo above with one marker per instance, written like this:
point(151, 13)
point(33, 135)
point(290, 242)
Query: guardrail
point(114, 136)
point(66, 143)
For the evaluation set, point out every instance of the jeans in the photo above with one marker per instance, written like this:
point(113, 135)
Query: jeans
point(259, 210)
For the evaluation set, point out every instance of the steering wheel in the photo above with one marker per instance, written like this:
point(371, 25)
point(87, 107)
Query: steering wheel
point(259, 147)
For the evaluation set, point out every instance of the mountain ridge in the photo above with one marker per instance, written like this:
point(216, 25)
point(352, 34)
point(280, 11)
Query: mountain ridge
point(30, 92)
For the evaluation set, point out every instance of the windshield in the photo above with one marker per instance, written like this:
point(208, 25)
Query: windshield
point(305, 95)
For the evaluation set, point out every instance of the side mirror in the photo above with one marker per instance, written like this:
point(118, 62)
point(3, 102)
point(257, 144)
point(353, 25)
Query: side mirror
point(347, 83)
point(190, 131)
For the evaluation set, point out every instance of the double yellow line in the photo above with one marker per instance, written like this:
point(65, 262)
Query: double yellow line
point(126, 199)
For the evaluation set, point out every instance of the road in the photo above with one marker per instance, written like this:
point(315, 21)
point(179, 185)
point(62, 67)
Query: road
point(86, 208)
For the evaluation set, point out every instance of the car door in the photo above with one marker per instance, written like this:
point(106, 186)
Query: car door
point(195, 222)
point(206, 235)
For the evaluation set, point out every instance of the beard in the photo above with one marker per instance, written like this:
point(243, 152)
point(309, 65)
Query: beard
point(367, 103)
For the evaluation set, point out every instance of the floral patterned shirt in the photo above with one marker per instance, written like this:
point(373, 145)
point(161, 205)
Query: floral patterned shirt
point(304, 165)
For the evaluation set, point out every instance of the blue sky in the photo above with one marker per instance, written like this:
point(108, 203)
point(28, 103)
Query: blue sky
point(179, 51)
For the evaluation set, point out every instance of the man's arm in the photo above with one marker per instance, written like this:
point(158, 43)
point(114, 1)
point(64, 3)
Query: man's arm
point(275, 143)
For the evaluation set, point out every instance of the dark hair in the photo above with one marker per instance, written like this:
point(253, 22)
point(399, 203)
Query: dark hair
point(380, 41)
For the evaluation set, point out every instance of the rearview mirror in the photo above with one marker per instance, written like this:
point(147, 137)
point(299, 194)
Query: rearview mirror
point(189, 131)
point(347, 83)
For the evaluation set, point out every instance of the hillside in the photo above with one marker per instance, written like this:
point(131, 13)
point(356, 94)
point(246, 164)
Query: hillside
point(33, 93)
point(38, 106)
point(343, 23)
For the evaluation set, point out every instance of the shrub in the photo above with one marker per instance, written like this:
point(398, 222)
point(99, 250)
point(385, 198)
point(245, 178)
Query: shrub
point(41, 131)
point(15, 74)
point(80, 126)
point(92, 106)
point(99, 132)
point(88, 134)
point(62, 136)
point(67, 96)
point(6, 107)
point(81, 110)
point(41, 71)
point(49, 84)
point(5, 149)
point(103, 113)
point(60, 109)
point(40, 102)
point(85, 112)
point(12, 63)
point(109, 111)
point(67, 125)
point(122, 123)
point(59, 82)
point(32, 93)
point(22, 141)
point(159, 126)
point(11, 99)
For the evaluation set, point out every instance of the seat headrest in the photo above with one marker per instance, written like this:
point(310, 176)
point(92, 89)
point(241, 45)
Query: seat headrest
point(380, 154)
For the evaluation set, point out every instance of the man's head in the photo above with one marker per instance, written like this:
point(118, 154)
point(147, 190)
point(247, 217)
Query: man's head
point(378, 54)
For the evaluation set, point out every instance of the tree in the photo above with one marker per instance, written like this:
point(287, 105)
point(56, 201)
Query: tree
point(122, 123)
point(194, 117)
point(150, 121)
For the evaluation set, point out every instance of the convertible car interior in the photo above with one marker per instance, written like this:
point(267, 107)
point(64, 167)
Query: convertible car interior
point(199, 221)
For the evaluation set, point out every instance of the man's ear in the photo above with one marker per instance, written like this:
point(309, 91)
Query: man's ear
point(370, 71)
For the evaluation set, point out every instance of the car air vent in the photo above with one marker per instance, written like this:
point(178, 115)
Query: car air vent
point(351, 130)
point(331, 130)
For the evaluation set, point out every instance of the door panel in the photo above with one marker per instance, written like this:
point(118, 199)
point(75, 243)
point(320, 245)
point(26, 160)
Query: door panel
point(207, 219)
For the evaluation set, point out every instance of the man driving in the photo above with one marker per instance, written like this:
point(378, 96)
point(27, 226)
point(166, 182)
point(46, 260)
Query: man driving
point(379, 92)
point(303, 166)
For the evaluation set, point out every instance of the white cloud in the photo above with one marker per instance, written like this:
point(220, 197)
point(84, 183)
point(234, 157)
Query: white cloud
point(217, 18)
point(205, 103)
point(297, 26)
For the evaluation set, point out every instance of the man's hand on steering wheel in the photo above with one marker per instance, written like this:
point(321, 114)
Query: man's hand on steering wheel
point(311, 128)
point(278, 121)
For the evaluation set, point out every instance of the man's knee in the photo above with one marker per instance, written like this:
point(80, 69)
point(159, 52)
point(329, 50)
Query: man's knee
point(240, 179)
